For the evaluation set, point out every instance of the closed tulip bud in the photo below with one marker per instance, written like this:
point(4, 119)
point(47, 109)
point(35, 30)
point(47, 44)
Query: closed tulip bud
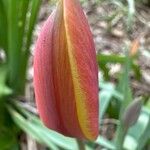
point(66, 73)
point(132, 113)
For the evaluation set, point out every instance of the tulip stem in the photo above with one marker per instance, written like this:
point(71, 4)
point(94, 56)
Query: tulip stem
point(121, 136)
point(81, 144)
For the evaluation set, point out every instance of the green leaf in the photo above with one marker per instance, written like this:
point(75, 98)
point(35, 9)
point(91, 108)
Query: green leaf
point(103, 59)
point(3, 26)
point(106, 94)
point(139, 134)
point(131, 13)
point(105, 143)
point(35, 128)
point(21, 19)
point(4, 90)
point(105, 70)
point(110, 87)
point(148, 104)
point(137, 71)
point(31, 20)
point(111, 58)
point(7, 139)
point(31, 128)
point(14, 53)
point(124, 84)
point(124, 87)
point(105, 98)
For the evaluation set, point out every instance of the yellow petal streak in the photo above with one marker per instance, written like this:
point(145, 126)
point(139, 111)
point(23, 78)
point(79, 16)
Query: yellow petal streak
point(80, 96)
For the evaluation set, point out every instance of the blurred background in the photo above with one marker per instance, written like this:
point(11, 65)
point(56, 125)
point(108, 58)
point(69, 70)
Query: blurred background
point(121, 31)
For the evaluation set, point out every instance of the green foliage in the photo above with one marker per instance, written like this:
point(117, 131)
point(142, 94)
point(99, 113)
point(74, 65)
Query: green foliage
point(17, 20)
point(128, 139)
point(33, 126)
point(4, 89)
point(137, 140)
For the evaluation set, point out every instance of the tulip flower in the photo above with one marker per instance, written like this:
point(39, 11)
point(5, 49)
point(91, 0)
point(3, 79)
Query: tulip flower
point(66, 73)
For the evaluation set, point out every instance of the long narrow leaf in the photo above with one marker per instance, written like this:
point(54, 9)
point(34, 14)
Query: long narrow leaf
point(34, 9)
point(34, 127)
point(30, 128)
point(136, 140)
point(14, 53)
point(124, 85)
point(3, 27)
point(105, 143)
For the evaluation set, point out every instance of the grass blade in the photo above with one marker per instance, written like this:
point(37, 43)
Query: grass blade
point(3, 27)
point(35, 6)
point(33, 126)
point(14, 53)
point(105, 143)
